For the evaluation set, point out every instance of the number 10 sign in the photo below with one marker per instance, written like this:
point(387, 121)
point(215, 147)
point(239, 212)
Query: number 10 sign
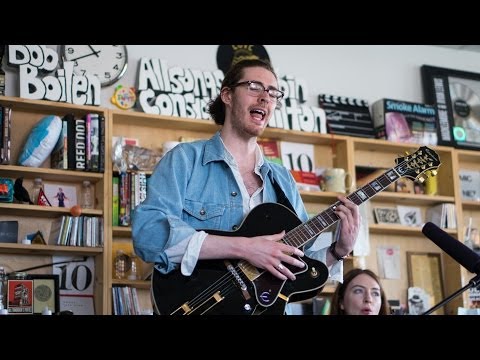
point(296, 156)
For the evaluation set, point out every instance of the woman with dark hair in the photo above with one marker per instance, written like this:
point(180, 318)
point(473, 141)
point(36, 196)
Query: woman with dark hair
point(359, 294)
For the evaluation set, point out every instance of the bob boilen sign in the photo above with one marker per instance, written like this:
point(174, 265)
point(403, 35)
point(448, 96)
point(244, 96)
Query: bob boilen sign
point(34, 61)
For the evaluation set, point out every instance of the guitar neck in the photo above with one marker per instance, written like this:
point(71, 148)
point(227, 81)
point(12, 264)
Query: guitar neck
point(412, 167)
point(316, 225)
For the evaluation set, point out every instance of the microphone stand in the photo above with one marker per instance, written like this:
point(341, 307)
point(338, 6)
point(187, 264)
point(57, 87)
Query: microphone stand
point(472, 283)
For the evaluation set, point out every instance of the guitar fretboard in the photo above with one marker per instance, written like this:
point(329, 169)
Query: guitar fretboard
point(313, 227)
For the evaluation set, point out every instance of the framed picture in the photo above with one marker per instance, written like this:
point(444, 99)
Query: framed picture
point(19, 296)
point(425, 272)
point(387, 216)
point(45, 292)
point(456, 94)
point(61, 195)
point(410, 215)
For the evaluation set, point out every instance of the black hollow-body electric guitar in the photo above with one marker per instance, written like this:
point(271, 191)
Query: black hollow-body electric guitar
point(235, 287)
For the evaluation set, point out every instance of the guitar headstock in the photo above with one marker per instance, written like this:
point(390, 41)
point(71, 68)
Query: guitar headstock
point(414, 166)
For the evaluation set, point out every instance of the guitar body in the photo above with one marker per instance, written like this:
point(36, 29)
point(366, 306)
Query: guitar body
point(222, 287)
point(235, 287)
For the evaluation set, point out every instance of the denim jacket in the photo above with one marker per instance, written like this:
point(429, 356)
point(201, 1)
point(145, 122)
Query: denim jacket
point(192, 188)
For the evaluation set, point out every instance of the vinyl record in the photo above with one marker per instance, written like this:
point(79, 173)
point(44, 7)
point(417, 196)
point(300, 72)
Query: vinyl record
point(466, 110)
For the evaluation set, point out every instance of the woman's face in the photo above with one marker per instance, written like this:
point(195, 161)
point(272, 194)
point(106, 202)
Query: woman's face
point(362, 296)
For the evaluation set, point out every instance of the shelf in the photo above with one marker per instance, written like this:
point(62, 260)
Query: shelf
point(303, 137)
point(13, 171)
point(139, 284)
point(43, 211)
point(391, 229)
point(315, 196)
point(413, 199)
point(471, 205)
point(125, 231)
point(162, 121)
point(176, 123)
point(379, 145)
point(468, 156)
point(7, 248)
point(45, 106)
point(328, 289)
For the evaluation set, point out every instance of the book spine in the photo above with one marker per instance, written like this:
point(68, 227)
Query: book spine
point(59, 156)
point(115, 201)
point(88, 150)
point(378, 115)
point(124, 200)
point(7, 127)
point(70, 119)
point(79, 157)
point(94, 143)
point(2, 152)
point(101, 167)
point(142, 192)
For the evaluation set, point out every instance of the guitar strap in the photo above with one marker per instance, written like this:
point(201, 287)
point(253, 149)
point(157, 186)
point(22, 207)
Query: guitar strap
point(281, 197)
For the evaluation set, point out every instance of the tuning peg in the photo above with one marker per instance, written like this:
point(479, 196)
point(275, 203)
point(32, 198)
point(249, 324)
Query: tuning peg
point(421, 180)
point(434, 172)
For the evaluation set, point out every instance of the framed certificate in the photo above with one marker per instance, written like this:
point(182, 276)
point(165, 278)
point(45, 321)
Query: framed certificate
point(45, 293)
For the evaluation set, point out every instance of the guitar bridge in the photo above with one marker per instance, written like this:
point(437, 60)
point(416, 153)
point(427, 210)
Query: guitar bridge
point(238, 279)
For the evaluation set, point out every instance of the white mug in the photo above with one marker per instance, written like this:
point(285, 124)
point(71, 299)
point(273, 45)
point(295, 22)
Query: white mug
point(169, 145)
point(337, 180)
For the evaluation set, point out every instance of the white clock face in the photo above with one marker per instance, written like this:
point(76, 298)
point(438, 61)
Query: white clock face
point(107, 62)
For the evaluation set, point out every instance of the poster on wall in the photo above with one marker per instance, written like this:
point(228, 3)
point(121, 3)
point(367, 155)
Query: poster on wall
point(456, 94)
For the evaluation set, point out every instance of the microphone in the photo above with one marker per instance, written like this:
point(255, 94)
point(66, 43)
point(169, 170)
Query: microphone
point(462, 254)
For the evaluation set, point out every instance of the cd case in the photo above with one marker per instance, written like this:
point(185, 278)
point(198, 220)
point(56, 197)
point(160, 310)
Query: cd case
point(8, 231)
point(405, 122)
point(456, 95)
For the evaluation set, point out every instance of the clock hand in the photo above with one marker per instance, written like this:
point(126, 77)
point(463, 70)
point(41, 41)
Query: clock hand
point(84, 56)
point(91, 48)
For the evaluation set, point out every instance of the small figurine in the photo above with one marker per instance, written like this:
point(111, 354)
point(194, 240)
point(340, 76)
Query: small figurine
point(20, 193)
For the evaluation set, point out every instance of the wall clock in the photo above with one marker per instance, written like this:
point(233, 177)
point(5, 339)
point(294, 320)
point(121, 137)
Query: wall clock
point(107, 62)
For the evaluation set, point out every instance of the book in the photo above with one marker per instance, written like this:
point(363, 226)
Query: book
point(88, 139)
point(101, 165)
point(115, 201)
point(56, 229)
point(70, 119)
point(271, 150)
point(59, 155)
point(405, 122)
point(80, 148)
point(94, 143)
point(6, 134)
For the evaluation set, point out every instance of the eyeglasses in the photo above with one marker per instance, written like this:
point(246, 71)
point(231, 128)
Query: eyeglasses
point(256, 88)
